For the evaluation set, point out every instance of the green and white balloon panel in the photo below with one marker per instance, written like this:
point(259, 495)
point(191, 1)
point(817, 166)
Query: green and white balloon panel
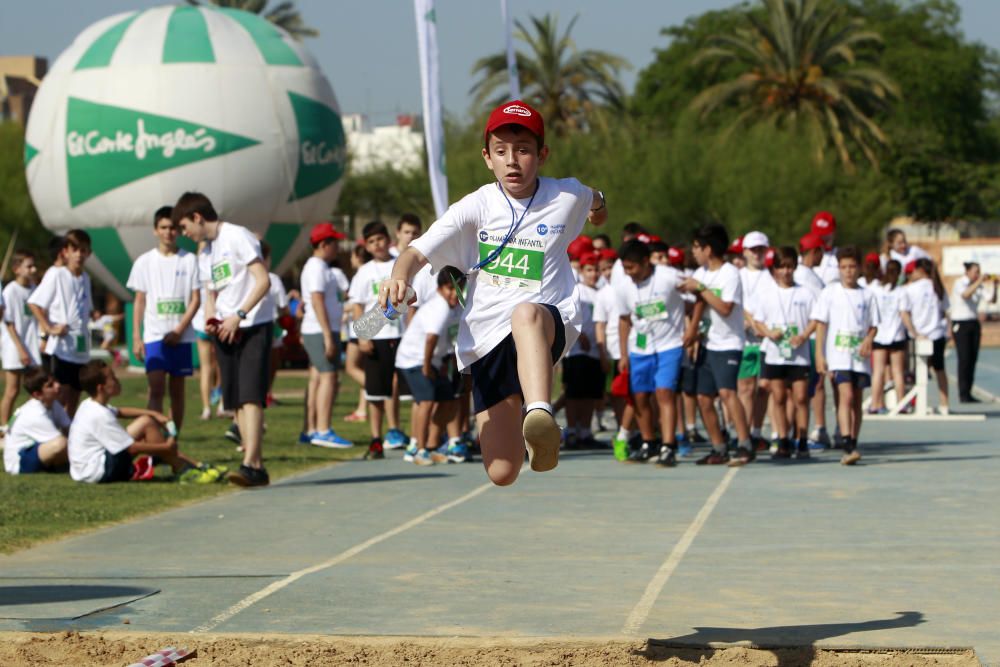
point(146, 105)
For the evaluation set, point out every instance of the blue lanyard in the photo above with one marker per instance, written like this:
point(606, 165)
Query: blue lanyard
point(515, 223)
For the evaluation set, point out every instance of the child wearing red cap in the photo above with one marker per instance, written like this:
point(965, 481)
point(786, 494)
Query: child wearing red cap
point(824, 225)
point(811, 251)
point(521, 313)
point(583, 379)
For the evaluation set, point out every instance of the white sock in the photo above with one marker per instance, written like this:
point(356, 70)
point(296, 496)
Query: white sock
point(624, 434)
point(453, 441)
point(691, 427)
point(538, 405)
point(413, 442)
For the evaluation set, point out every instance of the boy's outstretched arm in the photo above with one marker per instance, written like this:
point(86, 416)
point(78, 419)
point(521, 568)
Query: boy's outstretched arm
point(407, 264)
point(598, 210)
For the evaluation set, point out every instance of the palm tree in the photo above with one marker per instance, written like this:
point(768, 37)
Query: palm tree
point(803, 68)
point(564, 83)
point(284, 15)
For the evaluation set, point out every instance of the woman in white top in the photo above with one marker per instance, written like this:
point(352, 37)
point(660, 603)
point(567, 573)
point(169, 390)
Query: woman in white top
point(922, 306)
point(900, 250)
point(965, 296)
point(889, 348)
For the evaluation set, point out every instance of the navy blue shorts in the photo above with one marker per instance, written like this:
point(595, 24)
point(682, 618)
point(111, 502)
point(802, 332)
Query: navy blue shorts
point(855, 379)
point(494, 377)
point(29, 461)
point(117, 467)
point(423, 388)
point(718, 369)
point(175, 360)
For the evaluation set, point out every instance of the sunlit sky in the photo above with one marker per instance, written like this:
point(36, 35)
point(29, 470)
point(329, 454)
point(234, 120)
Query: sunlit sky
point(368, 48)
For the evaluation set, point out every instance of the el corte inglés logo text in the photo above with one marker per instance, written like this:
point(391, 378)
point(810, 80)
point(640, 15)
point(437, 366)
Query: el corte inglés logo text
point(320, 154)
point(517, 110)
point(140, 143)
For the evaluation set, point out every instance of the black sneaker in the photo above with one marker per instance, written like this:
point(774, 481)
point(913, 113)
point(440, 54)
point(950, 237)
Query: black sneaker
point(247, 476)
point(760, 444)
point(802, 452)
point(743, 457)
point(695, 437)
point(667, 457)
point(969, 399)
point(713, 458)
point(233, 433)
point(640, 454)
point(375, 450)
point(784, 450)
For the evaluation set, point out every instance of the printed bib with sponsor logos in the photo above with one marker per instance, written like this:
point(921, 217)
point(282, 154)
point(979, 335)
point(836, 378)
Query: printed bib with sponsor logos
point(848, 341)
point(170, 308)
point(222, 274)
point(706, 320)
point(651, 311)
point(785, 344)
point(513, 268)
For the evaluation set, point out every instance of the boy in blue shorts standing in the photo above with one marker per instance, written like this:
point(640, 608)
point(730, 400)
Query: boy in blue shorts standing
point(520, 313)
point(167, 296)
point(651, 334)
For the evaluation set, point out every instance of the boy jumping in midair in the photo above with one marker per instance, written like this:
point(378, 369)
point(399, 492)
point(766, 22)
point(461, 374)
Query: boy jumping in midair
point(520, 314)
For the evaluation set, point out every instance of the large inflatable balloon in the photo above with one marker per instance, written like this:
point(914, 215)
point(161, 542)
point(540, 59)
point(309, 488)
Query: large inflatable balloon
point(146, 105)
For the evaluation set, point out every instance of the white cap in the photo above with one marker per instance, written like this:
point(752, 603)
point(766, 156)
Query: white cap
point(755, 240)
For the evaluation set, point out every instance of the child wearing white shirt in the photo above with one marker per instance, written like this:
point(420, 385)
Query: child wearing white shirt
point(606, 333)
point(520, 312)
point(167, 297)
point(19, 336)
point(279, 310)
point(61, 304)
point(36, 441)
point(889, 348)
point(923, 306)
point(847, 320)
point(966, 294)
point(583, 379)
point(782, 319)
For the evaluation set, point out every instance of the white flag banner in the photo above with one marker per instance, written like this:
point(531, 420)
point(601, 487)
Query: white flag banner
point(515, 80)
point(430, 87)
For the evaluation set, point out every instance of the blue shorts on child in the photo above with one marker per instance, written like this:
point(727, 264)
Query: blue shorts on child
point(176, 360)
point(649, 372)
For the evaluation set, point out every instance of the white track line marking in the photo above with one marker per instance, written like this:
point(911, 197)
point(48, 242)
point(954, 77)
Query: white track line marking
point(276, 586)
point(659, 580)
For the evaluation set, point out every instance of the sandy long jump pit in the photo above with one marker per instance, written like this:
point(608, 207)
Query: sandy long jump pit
point(19, 649)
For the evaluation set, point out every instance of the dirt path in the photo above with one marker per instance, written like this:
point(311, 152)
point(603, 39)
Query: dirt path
point(103, 649)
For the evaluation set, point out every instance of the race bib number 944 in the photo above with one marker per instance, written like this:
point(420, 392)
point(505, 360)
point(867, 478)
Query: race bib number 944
point(513, 268)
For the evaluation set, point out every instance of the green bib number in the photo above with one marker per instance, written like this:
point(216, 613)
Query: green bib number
point(651, 310)
point(222, 274)
point(513, 268)
point(82, 344)
point(848, 342)
point(785, 344)
point(640, 341)
point(167, 308)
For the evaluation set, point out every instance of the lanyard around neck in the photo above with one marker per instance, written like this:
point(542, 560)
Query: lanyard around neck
point(515, 224)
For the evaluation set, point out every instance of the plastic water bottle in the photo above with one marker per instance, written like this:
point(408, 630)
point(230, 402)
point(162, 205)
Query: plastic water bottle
point(369, 324)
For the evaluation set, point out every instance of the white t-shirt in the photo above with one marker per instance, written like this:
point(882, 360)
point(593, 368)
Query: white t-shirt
point(606, 310)
point(789, 309)
point(806, 277)
point(656, 309)
point(533, 268)
point(424, 286)
point(890, 328)
point(66, 300)
point(754, 284)
point(279, 296)
point(829, 269)
point(587, 297)
point(848, 314)
point(317, 277)
point(95, 431)
point(912, 254)
point(232, 251)
point(962, 309)
point(724, 333)
point(436, 318)
point(32, 424)
point(204, 262)
point(926, 309)
point(16, 312)
point(168, 281)
point(364, 291)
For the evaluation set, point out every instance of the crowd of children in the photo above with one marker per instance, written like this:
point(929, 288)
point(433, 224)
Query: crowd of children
point(734, 332)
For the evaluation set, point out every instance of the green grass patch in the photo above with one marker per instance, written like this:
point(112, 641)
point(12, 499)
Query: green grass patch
point(46, 506)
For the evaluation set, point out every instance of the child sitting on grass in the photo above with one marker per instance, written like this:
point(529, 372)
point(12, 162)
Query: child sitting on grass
point(36, 441)
point(101, 450)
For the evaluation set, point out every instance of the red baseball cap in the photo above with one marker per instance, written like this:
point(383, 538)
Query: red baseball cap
point(736, 247)
point(589, 259)
point(609, 253)
point(769, 258)
point(910, 266)
point(824, 223)
point(873, 258)
point(322, 231)
point(810, 241)
point(516, 112)
point(675, 256)
point(580, 246)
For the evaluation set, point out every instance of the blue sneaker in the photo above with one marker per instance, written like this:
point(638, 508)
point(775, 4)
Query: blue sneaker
point(395, 439)
point(458, 453)
point(423, 458)
point(306, 438)
point(215, 396)
point(685, 449)
point(330, 440)
point(411, 451)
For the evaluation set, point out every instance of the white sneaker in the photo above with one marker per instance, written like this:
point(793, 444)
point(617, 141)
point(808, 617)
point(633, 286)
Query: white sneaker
point(206, 414)
point(943, 410)
point(541, 436)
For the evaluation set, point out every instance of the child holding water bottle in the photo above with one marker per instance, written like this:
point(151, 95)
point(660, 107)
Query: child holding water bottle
point(520, 314)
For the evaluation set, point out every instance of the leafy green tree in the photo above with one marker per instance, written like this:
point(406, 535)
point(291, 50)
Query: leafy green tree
point(283, 15)
point(805, 66)
point(564, 83)
point(17, 213)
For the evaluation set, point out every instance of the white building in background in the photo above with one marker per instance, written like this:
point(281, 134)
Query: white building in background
point(399, 147)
